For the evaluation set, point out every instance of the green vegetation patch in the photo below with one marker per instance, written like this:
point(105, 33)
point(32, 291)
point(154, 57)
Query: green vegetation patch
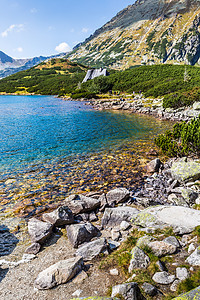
point(182, 140)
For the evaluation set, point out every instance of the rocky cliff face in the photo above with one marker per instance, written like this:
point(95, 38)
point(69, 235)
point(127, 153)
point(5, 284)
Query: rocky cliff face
point(147, 32)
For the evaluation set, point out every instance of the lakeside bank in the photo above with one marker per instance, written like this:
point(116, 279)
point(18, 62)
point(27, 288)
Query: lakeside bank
point(120, 218)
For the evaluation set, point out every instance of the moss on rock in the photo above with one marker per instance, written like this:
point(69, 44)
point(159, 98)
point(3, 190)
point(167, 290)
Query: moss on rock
point(192, 295)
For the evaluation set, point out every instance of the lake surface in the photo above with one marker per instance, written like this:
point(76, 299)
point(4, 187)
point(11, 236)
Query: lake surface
point(50, 147)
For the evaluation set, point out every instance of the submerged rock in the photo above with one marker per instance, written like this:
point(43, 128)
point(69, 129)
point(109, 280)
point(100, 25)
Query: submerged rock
point(59, 273)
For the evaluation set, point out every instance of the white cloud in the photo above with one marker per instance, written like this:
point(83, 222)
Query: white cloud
point(85, 30)
point(13, 27)
point(20, 49)
point(33, 10)
point(63, 47)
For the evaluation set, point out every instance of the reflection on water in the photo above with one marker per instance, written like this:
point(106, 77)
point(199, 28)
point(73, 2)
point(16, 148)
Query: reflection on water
point(50, 148)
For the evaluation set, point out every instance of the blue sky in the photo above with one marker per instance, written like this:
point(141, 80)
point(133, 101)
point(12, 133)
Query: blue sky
point(44, 27)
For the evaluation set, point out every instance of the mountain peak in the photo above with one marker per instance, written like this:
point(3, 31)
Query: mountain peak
point(147, 32)
point(4, 58)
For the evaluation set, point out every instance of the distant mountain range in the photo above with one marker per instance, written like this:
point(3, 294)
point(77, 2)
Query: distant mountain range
point(145, 33)
point(9, 65)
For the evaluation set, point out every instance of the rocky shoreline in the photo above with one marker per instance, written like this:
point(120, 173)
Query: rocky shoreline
point(152, 107)
point(154, 231)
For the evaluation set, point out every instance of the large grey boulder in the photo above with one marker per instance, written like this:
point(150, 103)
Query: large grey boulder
point(59, 273)
point(61, 216)
point(176, 216)
point(114, 216)
point(81, 233)
point(139, 260)
point(161, 248)
point(186, 171)
point(194, 258)
point(38, 230)
point(80, 204)
point(129, 291)
point(192, 295)
point(117, 196)
point(92, 249)
point(163, 278)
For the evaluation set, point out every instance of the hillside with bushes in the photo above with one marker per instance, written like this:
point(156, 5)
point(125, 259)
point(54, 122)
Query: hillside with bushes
point(177, 85)
point(54, 77)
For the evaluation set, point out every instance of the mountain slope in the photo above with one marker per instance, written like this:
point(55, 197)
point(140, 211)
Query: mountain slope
point(9, 65)
point(147, 32)
point(56, 76)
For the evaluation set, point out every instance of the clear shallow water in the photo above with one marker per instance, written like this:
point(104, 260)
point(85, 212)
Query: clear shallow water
point(39, 128)
point(50, 148)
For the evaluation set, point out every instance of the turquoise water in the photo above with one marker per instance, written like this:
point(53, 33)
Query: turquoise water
point(36, 129)
point(51, 148)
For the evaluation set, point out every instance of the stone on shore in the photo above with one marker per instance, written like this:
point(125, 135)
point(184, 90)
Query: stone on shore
point(81, 233)
point(194, 258)
point(176, 216)
point(139, 259)
point(95, 298)
point(163, 278)
point(80, 204)
point(161, 248)
point(186, 171)
point(154, 166)
point(33, 248)
point(114, 216)
point(149, 289)
point(117, 196)
point(38, 230)
point(129, 291)
point(61, 216)
point(59, 273)
point(182, 273)
point(92, 249)
point(172, 240)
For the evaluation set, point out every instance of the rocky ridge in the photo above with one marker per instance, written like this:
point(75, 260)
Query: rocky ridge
point(147, 32)
point(165, 235)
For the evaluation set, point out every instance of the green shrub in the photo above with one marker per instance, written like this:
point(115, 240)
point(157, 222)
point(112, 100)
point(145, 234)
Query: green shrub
point(85, 95)
point(182, 140)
